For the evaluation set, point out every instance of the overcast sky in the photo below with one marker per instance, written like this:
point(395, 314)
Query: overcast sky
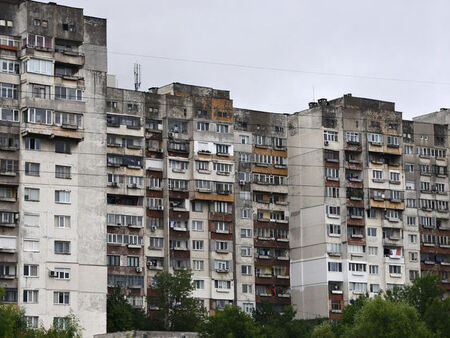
point(406, 40)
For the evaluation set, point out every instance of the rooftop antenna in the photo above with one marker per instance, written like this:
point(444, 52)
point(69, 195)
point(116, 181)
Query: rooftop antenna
point(137, 76)
point(314, 99)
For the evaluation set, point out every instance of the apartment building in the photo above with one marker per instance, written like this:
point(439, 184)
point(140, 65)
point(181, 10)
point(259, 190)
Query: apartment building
point(261, 210)
point(349, 234)
point(52, 129)
point(125, 150)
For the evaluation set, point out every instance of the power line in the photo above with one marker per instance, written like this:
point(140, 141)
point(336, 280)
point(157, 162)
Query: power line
point(274, 69)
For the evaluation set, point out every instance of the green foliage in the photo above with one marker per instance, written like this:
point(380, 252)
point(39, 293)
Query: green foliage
point(13, 324)
point(172, 296)
point(385, 318)
point(121, 316)
point(323, 330)
point(437, 317)
point(230, 322)
point(348, 315)
point(282, 325)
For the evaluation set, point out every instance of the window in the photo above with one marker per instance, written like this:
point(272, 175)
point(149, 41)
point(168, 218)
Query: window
point(68, 120)
point(377, 174)
point(62, 196)
point(246, 269)
point(357, 267)
point(62, 273)
point(410, 185)
point(222, 128)
point(9, 66)
point(113, 260)
point(244, 139)
point(222, 284)
point(31, 245)
point(373, 250)
point(413, 256)
point(199, 284)
point(331, 136)
point(62, 171)
point(334, 266)
point(333, 210)
point(409, 167)
point(245, 213)
point(352, 137)
point(247, 288)
point(334, 229)
point(32, 143)
point(132, 261)
point(395, 269)
point(68, 27)
point(332, 192)
point(197, 245)
point(411, 220)
point(198, 206)
point(197, 225)
point(61, 322)
point(244, 195)
point(374, 288)
point(62, 147)
point(30, 270)
point(198, 265)
point(32, 169)
point(32, 321)
point(246, 251)
point(246, 233)
point(31, 296)
point(62, 247)
point(30, 220)
point(410, 203)
point(392, 141)
point(7, 114)
point(222, 149)
point(375, 138)
point(221, 246)
point(39, 91)
point(331, 173)
point(413, 274)
point(372, 232)
point(156, 242)
point(39, 66)
point(31, 194)
point(408, 150)
point(61, 298)
point(412, 239)
point(394, 176)
point(202, 126)
point(63, 93)
point(357, 287)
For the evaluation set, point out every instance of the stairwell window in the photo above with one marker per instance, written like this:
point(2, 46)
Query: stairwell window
point(62, 172)
point(62, 196)
point(61, 298)
point(32, 169)
point(31, 194)
point(62, 221)
point(62, 147)
point(31, 296)
point(62, 247)
point(32, 143)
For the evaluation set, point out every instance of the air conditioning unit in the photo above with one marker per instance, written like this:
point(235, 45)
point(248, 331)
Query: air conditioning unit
point(16, 216)
point(160, 207)
point(52, 273)
point(326, 143)
point(153, 228)
point(138, 269)
point(242, 182)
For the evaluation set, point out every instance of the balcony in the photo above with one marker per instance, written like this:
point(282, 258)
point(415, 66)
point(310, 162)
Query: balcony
point(65, 131)
point(69, 58)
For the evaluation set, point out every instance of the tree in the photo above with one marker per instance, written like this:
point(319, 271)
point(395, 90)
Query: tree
point(121, 316)
point(385, 318)
point(437, 317)
point(278, 324)
point(348, 315)
point(176, 310)
point(323, 330)
point(231, 322)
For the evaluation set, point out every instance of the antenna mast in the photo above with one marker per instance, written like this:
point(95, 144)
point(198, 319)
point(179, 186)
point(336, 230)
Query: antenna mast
point(137, 76)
